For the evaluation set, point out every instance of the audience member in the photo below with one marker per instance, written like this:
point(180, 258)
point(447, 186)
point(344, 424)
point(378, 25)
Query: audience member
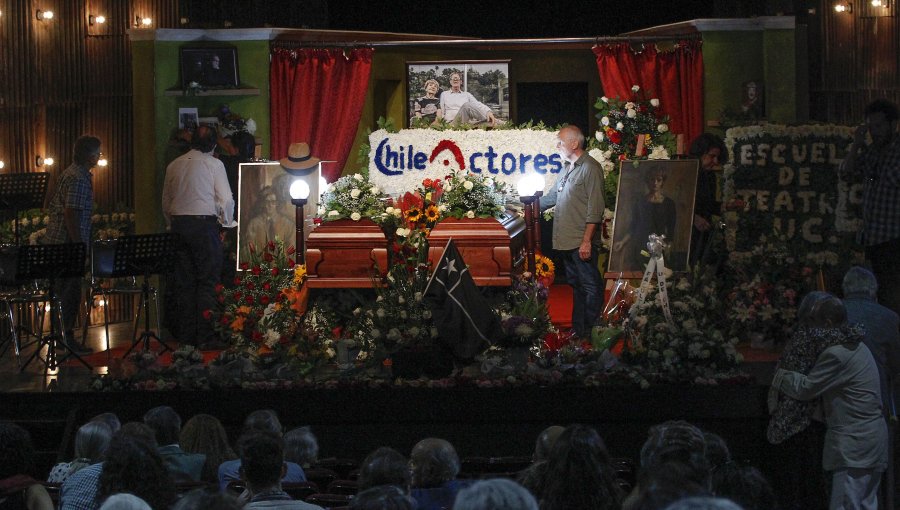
point(845, 377)
point(133, 465)
point(495, 494)
point(262, 467)
point(717, 452)
point(434, 465)
point(166, 425)
point(744, 485)
point(383, 497)
point(301, 447)
point(263, 420)
point(124, 501)
point(79, 491)
point(205, 499)
point(91, 442)
point(578, 473)
point(204, 434)
point(110, 419)
point(662, 483)
point(704, 503)
point(17, 487)
point(384, 466)
point(530, 476)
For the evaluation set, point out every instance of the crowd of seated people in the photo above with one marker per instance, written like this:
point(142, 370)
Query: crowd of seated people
point(158, 464)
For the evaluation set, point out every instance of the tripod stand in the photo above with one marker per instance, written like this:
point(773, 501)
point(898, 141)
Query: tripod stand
point(51, 262)
point(144, 255)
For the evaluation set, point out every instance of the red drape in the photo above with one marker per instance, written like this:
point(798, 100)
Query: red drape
point(675, 77)
point(317, 97)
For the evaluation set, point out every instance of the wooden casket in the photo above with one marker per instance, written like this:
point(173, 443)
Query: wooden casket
point(346, 254)
point(493, 249)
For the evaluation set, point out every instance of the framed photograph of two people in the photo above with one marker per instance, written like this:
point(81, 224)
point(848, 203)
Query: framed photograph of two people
point(486, 80)
point(654, 197)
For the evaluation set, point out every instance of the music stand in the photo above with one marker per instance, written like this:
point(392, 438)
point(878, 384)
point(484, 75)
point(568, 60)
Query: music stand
point(144, 255)
point(52, 262)
point(22, 191)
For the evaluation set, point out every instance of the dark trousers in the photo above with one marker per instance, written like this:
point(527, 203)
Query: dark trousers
point(193, 284)
point(68, 290)
point(587, 297)
point(883, 259)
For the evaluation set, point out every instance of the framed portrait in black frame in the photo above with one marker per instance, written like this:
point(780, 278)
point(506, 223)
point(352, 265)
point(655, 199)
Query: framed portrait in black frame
point(209, 68)
point(484, 84)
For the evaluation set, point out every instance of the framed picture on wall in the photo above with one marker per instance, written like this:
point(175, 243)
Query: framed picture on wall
point(475, 89)
point(654, 197)
point(188, 119)
point(209, 68)
point(264, 208)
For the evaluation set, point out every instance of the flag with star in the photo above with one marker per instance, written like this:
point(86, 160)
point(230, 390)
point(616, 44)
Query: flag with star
point(463, 317)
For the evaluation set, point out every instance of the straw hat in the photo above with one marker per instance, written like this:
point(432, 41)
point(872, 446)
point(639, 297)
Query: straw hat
point(299, 158)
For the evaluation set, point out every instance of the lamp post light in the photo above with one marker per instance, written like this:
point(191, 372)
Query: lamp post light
point(531, 187)
point(299, 195)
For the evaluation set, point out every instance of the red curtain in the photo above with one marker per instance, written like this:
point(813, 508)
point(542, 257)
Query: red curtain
point(675, 77)
point(317, 97)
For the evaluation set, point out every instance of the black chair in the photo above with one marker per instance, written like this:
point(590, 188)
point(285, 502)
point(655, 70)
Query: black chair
point(321, 476)
point(300, 490)
point(325, 500)
point(349, 487)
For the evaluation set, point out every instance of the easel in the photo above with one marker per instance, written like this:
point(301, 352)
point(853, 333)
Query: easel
point(52, 262)
point(22, 191)
point(144, 255)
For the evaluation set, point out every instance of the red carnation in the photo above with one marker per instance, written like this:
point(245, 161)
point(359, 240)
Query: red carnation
point(219, 288)
point(290, 250)
point(274, 271)
point(256, 270)
point(427, 183)
point(257, 336)
point(250, 286)
point(291, 263)
point(268, 257)
point(237, 280)
point(249, 300)
point(267, 286)
point(238, 295)
point(244, 266)
point(271, 245)
point(225, 320)
point(264, 300)
point(615, 137)
point(207, 314)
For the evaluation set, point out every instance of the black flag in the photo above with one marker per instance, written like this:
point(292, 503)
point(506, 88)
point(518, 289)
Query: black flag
point(464, 319)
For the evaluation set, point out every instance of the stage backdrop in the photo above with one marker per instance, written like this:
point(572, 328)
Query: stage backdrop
point(398, 162)
point(783, 182)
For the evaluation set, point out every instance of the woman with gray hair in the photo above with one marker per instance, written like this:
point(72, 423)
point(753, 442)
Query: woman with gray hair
point(495, 494)
point(91, 442)
point(845, 377)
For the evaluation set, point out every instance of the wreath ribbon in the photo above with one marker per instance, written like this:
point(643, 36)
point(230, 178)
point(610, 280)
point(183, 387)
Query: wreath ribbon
point(656, 244)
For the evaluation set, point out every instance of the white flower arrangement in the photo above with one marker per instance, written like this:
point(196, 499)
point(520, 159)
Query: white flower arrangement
point(353, 197)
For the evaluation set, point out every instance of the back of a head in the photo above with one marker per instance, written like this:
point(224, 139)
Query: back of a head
point(92, 440)
point(433, 462)
point(245, 144)
point(16, 451)
point(206, 499)
point(889, 109)
point(384, 466)
point(578, 472)
point(301, 446)
point(110, 419)
point(382, 497)
point(124, 501)
point(860, 281)
point(744, 485)
point(166, 424)
point(821, 310)
point(263, 420)
point(204, 433)
point(140, 431)
point(703, 503)
point(262, 459)
point(205, 139)
point(663, 483)
point(703, 143)
point(545, 441)
point(132, 465)
point(717, 452)
point(84, 147)
point(677, 441)
point(495, 494)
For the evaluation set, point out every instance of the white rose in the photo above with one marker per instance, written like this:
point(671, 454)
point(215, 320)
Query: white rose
point(468, 185)
point(354, 193)
point(604, 99)
point(635, 88)
point(629, 105)
point(355, 216)
point(619, 126)
point(250, 126)
point(447, 187)
point(631, 114)
point(389, 210)
point(662, 128)
point(398, 213)
point(400, 232)
point(599, 136)
point(374, 190)
point(442, 207)
point(333, 213)
point(358, 177)
point(470, 214)
point(654, 102)
point(604, 120)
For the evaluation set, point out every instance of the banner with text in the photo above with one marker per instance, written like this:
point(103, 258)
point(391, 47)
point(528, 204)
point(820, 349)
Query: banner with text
point(398, 162)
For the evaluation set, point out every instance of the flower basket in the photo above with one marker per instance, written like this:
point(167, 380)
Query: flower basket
point(346, 254)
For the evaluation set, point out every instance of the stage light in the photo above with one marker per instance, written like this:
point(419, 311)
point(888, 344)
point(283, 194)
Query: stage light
point(143, 21)
point(44, 15)
point(102, 162)
point(96, 20)
point(2, 164)
point(843, 7)
point(39, 161)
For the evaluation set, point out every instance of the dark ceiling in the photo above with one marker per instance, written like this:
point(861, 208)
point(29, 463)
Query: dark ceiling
point(485, 18)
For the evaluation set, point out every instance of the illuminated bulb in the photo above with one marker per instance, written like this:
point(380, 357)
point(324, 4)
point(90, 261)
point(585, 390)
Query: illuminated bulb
point(146, 22)
point(47, 307)
point(2, 164)
point(299, 189)
point(102, 162)
point(100, 19)
point(45, 15)
point(842, 7)
point(101, 303)
point(48, 161)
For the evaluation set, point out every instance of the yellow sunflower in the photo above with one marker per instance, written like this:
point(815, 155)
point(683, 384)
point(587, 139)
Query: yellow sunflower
point(413, 214)
point(543, 266)
point(432, 213)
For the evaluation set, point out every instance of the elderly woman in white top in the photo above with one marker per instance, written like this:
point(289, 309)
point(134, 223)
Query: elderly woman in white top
point(845, 377)
point(91, 442)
